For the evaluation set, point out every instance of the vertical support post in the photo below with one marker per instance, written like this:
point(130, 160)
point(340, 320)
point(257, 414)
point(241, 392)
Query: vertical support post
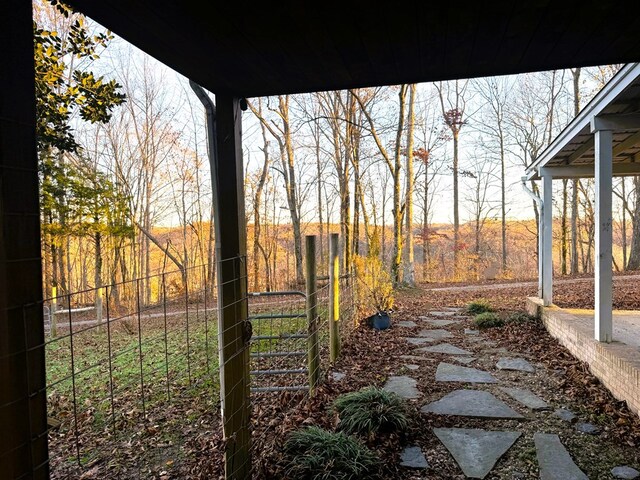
point(334, 298)
point(23, 398)
point(231, 249)
point(603, 264)
point(99, 309)
point(53, 327)
point(313, 352)
point(547, 240)
point(540, 252)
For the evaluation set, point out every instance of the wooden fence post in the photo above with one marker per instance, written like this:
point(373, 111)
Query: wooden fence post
point(231, 248)
point(334, 298)
point(313, 355)
point(99, 309)
point(53, 326)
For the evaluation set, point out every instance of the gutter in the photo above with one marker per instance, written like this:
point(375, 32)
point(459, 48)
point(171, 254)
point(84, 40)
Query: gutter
point(531, 193)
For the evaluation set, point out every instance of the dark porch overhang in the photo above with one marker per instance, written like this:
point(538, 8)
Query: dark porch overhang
point(266, 48)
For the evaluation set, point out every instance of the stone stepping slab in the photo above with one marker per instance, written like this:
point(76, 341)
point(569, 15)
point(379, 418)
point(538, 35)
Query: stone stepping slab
point(517, 364)
point(412, 457)
point(625, 472)
point(402, 386)
point(440, 323)
point(437, 334)
point(411, 366)
point(471, 331)
point(420, 340)
point(553, 459)
point(446, 348)
point(407, 323)
point(476, 451)
point(526, 398)
point(448, 372)
point(588, 428)
point(566, 415)
point(471, 403)
point(447, 313)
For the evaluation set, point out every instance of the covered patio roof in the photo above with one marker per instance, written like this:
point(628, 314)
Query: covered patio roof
point(572, 153)
point(603, 141)
point(250, 49)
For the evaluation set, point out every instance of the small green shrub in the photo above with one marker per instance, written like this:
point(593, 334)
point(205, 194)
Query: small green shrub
point(479, 306)
point(487, 320)
point(371, 410)
point(318, 454)
point(520, 317)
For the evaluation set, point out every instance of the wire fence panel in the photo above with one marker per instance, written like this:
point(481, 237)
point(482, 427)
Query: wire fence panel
point(121, 382)
point(133, 371)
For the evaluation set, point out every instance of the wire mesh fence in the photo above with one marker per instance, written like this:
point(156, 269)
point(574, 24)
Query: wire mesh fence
point(119, 380)
point(144, 380)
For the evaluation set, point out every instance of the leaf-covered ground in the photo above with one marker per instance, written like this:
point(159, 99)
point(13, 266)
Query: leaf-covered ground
point(183, 439)
point(369, 357)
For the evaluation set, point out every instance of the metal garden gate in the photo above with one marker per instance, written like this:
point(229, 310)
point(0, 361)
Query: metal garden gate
point(279, 341)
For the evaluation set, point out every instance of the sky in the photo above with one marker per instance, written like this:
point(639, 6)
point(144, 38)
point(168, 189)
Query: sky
point(188, 115)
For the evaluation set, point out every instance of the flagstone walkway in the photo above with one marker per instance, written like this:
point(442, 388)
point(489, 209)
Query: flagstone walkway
point(488, 393)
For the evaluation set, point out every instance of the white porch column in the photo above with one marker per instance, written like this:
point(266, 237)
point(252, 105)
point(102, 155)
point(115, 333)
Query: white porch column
point(547, 240)
point(540, 252)
point(603, 221)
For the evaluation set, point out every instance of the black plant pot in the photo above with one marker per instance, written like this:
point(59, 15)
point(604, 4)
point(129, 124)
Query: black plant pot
point(380, 321)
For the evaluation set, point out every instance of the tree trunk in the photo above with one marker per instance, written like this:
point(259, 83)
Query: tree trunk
point(503, 201)
point(634, 253)
point(563, 230)
point(425, 226)
point(409, 269)
point(397, 198)
point(456, 217)
point(624, 223)
point(575, 182)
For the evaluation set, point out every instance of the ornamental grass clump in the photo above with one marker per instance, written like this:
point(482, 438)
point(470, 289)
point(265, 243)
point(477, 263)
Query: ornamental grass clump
point(317, 454)
point(479, 306)
point(371, 411)
point(487, 320)
point(520, 317)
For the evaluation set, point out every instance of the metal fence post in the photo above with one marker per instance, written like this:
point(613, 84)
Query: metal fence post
point(313, 355)
point(334, 298)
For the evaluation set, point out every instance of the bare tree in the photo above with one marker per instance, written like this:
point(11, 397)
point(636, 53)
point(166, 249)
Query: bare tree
point(495, 92)
point(409, 269)
point(453, 103)
point(281, 131)
point(394, 164)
